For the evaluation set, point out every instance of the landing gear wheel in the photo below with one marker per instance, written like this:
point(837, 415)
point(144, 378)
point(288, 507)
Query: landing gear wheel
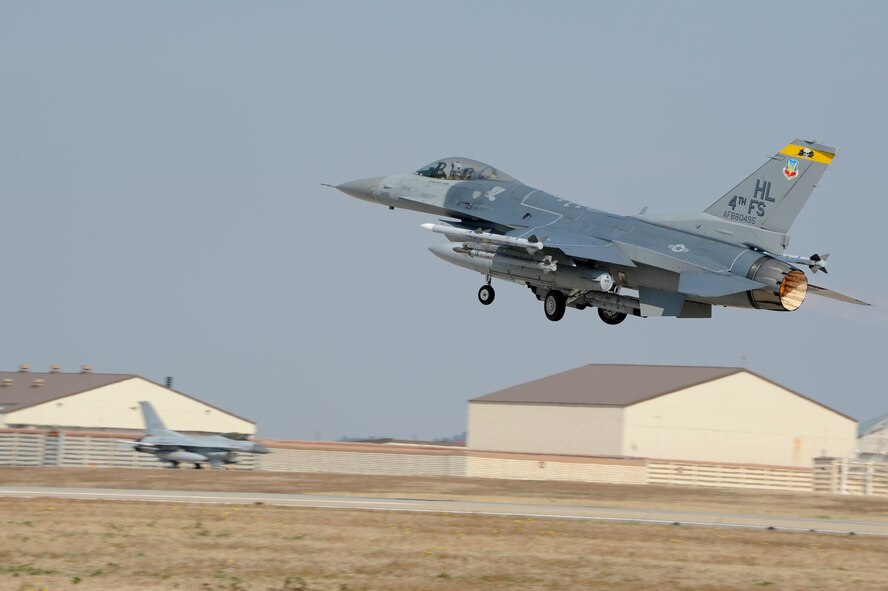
point(611, 317)
point(486, 294)
point(554, 305)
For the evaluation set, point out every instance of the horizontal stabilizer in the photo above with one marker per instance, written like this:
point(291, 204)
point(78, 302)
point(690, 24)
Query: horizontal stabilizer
point(834, 295)
point(587, 247)
point(712, 285)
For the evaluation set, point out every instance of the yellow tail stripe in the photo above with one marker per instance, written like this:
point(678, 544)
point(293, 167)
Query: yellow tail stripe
point(798, 152)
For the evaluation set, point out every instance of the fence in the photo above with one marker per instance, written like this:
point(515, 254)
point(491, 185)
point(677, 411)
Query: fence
point(843, 476)
point(20, 447)
point(106, 450)
point(729, 475)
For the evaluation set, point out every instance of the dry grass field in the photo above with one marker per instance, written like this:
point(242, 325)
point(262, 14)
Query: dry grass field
point(103, 545)
point(418, 487)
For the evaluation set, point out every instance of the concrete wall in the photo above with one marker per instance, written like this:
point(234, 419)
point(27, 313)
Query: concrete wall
point(116, 406)
point(741, 419)
point(516, 467)
point(540, 428)
point(23, 447)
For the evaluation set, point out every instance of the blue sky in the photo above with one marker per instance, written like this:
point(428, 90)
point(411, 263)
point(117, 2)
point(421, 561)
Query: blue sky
point(160, 170)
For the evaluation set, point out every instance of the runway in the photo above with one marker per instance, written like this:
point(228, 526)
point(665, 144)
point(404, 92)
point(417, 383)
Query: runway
point(463, 507)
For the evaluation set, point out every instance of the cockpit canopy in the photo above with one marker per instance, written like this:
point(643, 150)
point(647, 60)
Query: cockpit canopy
point(463, 169)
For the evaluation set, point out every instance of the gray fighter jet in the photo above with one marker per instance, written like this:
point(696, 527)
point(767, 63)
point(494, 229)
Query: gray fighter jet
point(572, 256)
point(175, 448)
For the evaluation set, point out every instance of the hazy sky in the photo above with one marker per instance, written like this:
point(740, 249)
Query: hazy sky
point(162, 214)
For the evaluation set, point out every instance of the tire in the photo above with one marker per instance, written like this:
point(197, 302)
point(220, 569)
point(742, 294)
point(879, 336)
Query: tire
point(610, 317)
point(486, 294)
point(554, 305)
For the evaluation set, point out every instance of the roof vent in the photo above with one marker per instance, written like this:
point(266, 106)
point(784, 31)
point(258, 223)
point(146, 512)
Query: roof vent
point(55, 368)
point(7, 382)
point(24, 368)
point(86, 369)
point(38, 382)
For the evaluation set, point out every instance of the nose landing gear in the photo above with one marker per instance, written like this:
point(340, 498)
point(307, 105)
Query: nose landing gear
point(486, 294)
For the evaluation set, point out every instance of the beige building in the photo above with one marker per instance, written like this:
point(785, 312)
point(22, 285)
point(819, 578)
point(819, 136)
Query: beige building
point(710, 414)
point(103, 402)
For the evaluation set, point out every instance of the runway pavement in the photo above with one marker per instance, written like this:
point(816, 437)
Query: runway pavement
point(535, 510)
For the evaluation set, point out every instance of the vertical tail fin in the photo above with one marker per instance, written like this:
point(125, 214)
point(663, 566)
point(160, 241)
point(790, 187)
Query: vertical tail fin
point(772, 197)
point(153, 424)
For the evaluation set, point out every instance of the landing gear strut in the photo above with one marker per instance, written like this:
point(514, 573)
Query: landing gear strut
point(554, 305)
point(611, 317)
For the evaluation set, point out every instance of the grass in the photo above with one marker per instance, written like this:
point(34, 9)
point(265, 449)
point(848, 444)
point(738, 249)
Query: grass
point(269, 548)
point(611, 495)
point(56, 544)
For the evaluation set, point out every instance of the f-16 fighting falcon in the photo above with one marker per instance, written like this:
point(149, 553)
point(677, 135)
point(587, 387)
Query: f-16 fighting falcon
point(572, 256)
point(174, 448)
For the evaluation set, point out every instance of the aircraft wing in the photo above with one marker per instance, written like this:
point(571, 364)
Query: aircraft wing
point(707, 284)
point(834, 295)
point(586, 247)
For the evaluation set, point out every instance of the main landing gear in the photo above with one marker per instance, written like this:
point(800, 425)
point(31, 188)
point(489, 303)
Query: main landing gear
point(611, 317)
point(554, 305)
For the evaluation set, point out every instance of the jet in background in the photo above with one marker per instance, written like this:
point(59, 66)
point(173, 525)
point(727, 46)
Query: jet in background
point(571, 256)
point(175, 448)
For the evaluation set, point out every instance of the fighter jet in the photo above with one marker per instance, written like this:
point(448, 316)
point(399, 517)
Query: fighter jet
point(175, 448)
point(572, 256)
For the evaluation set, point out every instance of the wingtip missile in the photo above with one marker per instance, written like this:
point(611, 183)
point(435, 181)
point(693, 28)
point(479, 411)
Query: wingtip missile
point(818, 263)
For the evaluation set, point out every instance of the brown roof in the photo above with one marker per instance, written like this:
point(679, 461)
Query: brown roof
point(609, 385)
point(620, 385)
point(22, 391)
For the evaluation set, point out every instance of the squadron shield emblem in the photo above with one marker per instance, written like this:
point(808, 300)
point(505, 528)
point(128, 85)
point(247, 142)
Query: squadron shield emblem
point(791, 170)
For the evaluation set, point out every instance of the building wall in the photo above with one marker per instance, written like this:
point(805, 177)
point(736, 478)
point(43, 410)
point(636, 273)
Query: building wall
point(740, 418)
point(116, 406)
point(540, 428)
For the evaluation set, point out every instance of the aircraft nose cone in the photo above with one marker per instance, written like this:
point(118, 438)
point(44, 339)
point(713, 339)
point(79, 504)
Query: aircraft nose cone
point(258, 448)
point(362, 189)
